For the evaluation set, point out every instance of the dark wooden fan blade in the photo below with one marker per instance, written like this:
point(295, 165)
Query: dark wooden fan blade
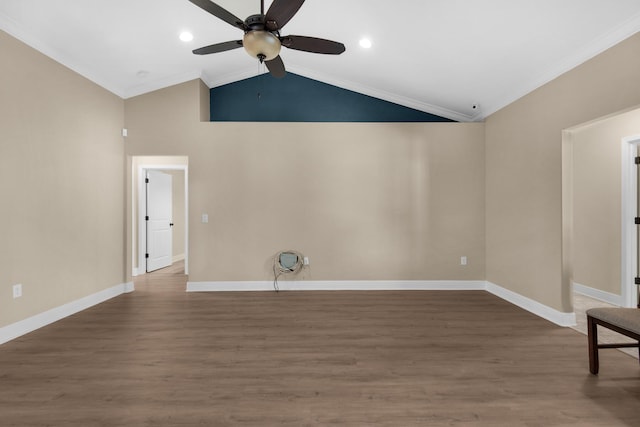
point(276, 67)
point(280, 12)
point(220, 13)
point(218, 47)
point(313, 44)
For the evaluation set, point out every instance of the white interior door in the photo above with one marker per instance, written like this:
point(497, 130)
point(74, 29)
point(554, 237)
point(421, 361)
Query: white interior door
point(159, 220)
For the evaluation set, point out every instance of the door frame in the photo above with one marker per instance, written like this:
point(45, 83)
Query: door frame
point(629, 254)
point(141, 204)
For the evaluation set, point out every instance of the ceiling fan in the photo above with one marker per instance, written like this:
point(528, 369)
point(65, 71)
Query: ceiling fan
point(262, 39)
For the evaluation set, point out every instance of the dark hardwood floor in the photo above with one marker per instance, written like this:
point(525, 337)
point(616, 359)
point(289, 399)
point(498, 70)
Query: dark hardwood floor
point(160, 356)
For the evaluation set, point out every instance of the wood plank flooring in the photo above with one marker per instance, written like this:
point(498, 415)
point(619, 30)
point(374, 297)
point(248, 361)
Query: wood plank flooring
point(160, 356)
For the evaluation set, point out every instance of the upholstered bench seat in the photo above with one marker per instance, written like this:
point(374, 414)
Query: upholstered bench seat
point(625, 321)
point(627, 318)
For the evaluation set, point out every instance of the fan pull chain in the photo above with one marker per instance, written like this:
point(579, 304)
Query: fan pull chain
point(261, 67)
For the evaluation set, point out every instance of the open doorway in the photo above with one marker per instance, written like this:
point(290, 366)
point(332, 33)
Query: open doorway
point(174, 235)
point(630, 269)
point(599, 203)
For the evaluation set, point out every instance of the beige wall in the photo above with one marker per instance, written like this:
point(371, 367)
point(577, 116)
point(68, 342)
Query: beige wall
point(61, 181)
point(597, 170)
point(362, 201)
point(524, 175)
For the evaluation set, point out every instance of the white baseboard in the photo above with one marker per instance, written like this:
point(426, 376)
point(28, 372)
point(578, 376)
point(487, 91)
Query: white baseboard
point(546, 312)
point(557, 317)
point(344, 285)
point(10, 332)
point(15, 330)
point(603, 296)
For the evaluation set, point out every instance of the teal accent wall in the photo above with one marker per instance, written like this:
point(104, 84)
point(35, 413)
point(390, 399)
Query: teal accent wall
point(298, 99)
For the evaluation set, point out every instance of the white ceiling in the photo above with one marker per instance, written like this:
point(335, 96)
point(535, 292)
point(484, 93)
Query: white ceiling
point(438, 56)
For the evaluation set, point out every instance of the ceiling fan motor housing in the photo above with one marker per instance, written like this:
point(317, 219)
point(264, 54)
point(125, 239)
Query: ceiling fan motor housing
point(256, 22)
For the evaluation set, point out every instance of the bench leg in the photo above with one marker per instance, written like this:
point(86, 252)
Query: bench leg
point(592, 330)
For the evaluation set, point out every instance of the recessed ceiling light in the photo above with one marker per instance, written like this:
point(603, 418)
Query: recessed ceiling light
point(186, 36)
point(365, 43)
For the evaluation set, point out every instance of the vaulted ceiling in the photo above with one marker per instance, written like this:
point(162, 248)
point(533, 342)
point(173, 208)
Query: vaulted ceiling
point(439, 56)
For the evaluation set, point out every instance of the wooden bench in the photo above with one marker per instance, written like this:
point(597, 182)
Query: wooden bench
point(625, 321)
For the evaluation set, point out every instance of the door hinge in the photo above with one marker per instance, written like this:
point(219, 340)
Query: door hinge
point(637, 160)
point(146, 218)
point(146, 180)
point(637, 220)
point(146, 255)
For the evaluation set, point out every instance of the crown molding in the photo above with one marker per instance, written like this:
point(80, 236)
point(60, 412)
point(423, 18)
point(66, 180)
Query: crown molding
point(587, 52)
point(157, 84)
point(216, 81)
point(496, 102)
point(15, 30)
point(381, 94)
point(221, 80)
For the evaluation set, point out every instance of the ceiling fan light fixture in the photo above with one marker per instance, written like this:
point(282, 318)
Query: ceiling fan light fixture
point(261, 44)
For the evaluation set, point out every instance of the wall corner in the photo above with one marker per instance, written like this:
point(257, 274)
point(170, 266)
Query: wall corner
point(205, 105)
